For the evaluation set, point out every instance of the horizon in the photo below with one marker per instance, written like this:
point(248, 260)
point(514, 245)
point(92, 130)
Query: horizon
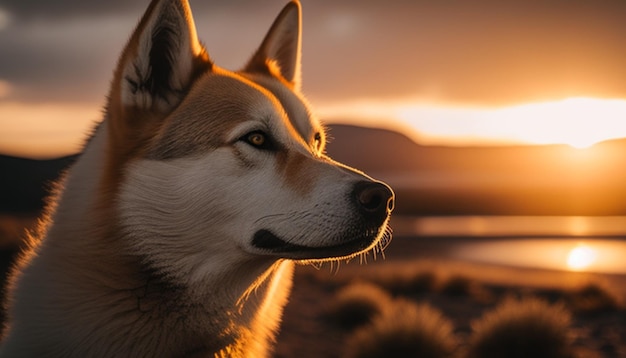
point(472, 74)
point(424, 124)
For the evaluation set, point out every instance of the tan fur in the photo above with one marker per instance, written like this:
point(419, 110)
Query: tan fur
point(173, 234)
point(297, 173)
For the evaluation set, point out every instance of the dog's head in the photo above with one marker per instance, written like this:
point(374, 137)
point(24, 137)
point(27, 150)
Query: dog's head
point(212, 162)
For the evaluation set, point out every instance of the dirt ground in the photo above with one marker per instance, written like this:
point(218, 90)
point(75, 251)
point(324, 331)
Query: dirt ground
point(419, 270)
point(463, 292)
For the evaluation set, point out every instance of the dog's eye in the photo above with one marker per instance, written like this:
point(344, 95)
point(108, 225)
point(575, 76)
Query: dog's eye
point(258, 140)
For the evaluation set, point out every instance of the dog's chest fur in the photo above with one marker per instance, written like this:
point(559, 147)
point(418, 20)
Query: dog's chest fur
point(176, 231)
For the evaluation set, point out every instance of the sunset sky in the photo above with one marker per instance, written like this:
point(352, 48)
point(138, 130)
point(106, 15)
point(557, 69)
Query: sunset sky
point(443, 72)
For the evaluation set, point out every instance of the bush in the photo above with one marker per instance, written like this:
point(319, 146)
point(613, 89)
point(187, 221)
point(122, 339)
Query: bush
point(526, 328)
point(357, 304)
point(404, 330)
point(593, 298)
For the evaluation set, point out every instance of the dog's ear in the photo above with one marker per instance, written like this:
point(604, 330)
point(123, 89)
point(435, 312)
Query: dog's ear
point(279, 53)
point(161, 61)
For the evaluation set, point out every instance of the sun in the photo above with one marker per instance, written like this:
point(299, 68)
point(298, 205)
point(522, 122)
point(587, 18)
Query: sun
point(581, 257)
point(586, 121)
point(579, 122)
point(581, 143)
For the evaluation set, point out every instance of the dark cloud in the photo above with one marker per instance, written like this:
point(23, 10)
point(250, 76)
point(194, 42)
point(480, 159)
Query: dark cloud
point(70, 56)
point(478, 52)
point(483, 51)
point(37, 9)
point(63, 9)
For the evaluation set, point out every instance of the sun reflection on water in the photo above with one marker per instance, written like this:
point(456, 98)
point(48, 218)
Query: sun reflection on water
point(605, 256)
point(572, 243)
point(581, 257)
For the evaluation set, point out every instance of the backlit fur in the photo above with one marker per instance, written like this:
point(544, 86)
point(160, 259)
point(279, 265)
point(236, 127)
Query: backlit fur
point(150, 248)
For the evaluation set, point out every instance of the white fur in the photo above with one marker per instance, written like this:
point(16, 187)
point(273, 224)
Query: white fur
point(155, 247)
point(244, 293)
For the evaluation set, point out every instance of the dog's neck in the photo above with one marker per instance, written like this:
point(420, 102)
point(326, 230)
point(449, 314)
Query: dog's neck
point(218, 315)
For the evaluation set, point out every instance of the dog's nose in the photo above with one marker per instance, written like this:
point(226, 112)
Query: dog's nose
point(374, 199)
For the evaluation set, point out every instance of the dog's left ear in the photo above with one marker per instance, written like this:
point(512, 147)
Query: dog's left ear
point(279, 54)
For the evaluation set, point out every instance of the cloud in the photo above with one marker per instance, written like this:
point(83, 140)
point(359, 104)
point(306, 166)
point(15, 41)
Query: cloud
point(38, 9)
point(67, 60)
point(482, 52)
point(73, 59)
point(5, 19)
point(64, 9)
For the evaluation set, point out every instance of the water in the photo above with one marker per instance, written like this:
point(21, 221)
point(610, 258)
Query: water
point(573, 243)
point(588, 255)
point(511, 226)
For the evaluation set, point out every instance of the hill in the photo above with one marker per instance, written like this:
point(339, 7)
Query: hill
point(506, 180)
point(428, 180)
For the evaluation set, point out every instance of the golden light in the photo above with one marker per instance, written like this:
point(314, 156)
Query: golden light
point(579, 122)
point(598, 255)
point(45, 130)
point(581, 257)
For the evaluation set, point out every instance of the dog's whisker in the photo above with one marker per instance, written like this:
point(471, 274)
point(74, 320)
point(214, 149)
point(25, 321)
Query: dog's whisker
point(316, 264)
point(338, 267)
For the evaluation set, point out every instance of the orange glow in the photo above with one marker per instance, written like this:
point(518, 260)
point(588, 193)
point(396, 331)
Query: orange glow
point(494, 226)
point(578, 122)
point(549, 242)
point(45, 130)
point(48, 130)
point(595, 256)
point(581, 257)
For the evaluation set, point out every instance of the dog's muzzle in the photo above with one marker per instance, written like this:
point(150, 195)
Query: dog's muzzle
point(372, 202)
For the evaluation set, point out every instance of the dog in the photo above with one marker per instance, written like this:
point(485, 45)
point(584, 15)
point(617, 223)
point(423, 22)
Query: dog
point(176, 232)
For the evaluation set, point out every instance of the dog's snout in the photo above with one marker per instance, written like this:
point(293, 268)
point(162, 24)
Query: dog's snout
point(374, 199)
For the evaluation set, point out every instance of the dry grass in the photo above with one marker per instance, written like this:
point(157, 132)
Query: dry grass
point(594, 298)
point(464, 292)
point(357, 304)
point(463, 286)
point(526, 328)
point(404, 330)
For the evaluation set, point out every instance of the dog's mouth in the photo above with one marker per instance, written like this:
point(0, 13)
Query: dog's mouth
point(271, 244)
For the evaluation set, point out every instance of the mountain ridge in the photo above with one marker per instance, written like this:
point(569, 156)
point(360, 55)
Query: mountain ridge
point(428, 180)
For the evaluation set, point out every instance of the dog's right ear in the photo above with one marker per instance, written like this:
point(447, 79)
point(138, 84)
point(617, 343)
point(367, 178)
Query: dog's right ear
point(161, 61)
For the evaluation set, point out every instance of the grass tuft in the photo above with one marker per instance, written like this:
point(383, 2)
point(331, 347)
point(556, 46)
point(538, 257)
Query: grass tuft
point(526, 328)
point(593, 298)
point(404, 330)
point(357, 304)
